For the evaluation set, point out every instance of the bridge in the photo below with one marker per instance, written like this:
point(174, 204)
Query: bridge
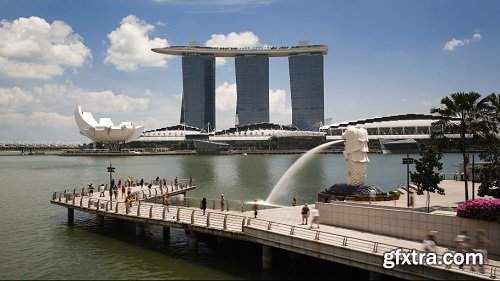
point(34, 147)
point(274, 228)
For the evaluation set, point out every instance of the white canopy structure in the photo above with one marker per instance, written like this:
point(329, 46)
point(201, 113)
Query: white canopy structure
point(104, 130)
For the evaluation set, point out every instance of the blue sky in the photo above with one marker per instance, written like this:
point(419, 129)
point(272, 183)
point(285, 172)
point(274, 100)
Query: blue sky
point(385, 57)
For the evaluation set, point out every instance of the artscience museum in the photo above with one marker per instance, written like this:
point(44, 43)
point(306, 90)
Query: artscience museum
point(105, 131)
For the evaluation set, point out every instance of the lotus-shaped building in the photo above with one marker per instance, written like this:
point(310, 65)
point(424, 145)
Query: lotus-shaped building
point(104, 130)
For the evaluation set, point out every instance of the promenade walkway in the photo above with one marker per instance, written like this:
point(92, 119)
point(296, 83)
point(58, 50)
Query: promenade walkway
point(278, 227)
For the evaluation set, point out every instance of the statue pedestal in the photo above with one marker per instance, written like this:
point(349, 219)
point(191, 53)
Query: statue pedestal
point(342, 191)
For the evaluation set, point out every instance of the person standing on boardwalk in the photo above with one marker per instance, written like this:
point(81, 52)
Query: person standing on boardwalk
point(294, 202)
point(315, 215)
point(222, 199)
point(255, 207)
point(305, 214)
point(166, 200)
point(204, 204)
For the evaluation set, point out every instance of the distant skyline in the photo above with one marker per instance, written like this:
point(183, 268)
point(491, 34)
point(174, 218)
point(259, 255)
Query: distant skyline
point(384, 57)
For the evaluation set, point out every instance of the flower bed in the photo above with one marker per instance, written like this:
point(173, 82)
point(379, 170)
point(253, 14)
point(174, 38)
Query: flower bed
point(483, 209)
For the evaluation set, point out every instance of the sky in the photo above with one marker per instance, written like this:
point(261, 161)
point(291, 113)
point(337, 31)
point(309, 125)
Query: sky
point(385, 57)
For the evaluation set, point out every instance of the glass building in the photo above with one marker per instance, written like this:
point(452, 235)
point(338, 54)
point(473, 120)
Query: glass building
point(198, 97)
point(307, 91)
point(252, 86)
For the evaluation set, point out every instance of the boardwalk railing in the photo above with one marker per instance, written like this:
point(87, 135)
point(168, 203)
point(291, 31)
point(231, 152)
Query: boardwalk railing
point(237, 223)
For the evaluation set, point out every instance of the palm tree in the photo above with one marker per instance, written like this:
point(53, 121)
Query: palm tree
point(463, 114)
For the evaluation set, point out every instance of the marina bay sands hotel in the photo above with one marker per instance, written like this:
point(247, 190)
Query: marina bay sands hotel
point(252, 83)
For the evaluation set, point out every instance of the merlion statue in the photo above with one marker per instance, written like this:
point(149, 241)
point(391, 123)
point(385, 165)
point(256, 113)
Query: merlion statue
point(355, 153)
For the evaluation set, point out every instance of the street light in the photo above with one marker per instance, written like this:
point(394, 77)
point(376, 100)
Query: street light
point(408, 161)
point(111, 170)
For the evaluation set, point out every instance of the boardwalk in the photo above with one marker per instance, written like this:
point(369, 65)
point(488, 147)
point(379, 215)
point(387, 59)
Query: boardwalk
point(279, 227)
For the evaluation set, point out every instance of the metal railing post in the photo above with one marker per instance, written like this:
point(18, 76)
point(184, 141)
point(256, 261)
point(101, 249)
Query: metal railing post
point(107, 203)
point(178, 214)
point(116, 209)
point(81, 201)
point(225, 222)
point(317, 236)
point(139, 209)
point(292, 230)
point(208, 220)
point(269, 226)
point(192, 217)
point(151, 211)
point(98, 204)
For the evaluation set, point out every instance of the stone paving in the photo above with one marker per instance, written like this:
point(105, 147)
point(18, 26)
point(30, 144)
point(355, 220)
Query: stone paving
point(454, 195)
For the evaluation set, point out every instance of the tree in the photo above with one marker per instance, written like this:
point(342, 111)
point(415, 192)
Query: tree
point(425, 177)
point(490, 174)
point(463, 114)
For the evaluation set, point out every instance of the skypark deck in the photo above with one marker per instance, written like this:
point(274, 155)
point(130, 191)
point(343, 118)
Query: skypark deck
point(233, 52)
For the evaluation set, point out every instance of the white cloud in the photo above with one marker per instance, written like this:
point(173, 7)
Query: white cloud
point(226, 98)
point(455, 43)
point(38, 119)
point(279, 109)
point(131, 46)
point(233, 39)
point(53, 105)
point(32, 48)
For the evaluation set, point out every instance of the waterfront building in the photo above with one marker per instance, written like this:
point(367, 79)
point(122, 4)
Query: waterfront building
point(198, 96)
point(393, 133)
point(307, 91)
point(105, 131)
point(252, 83)
point(252, 87)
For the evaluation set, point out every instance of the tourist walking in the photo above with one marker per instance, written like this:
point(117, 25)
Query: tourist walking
point(204, 204)
point(480, 247)
point(294, 202)
point(462, 244)
point(305, 214)
point(430, 242)
point(166, 201)
point(101, 191)
point(255, 207)
point(123, 191)
point(91, 190)
point(315, 217)
point(222, 199)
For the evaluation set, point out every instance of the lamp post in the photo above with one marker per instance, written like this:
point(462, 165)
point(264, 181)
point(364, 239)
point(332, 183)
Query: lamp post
point(408, 161)
point(111, 170)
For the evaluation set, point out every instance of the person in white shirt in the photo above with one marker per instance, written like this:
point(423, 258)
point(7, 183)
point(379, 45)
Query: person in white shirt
point(315, 217)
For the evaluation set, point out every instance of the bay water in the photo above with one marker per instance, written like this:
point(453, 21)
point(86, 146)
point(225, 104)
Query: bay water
point(37, 242)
